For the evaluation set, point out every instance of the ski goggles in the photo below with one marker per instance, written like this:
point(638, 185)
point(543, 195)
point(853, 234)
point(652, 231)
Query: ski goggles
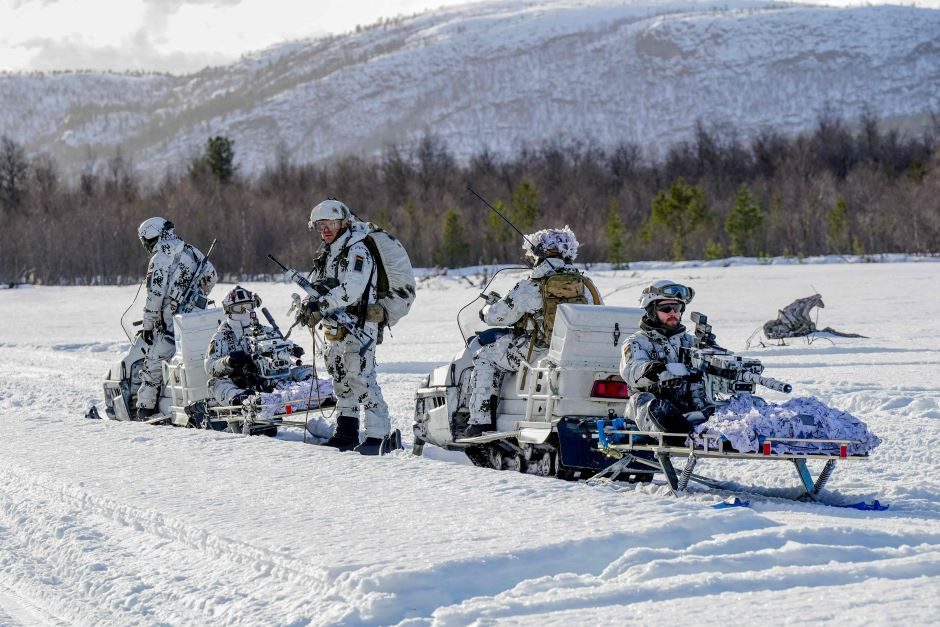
point(673, 290)
point(240, 308)
point(326, 225)
point(670, 308)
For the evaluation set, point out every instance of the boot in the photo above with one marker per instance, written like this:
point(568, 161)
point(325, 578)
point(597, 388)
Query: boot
point(346, 436)
point(146, 413)
point(372, 446)
point(474, 430)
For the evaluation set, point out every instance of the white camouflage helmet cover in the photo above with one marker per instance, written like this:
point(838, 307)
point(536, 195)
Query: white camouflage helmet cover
point(664, 289)
point(150, 230)
point(562, 241)
point(329, 209)
point(237, 295)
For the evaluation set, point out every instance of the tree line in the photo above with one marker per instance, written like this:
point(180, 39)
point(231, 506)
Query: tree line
point(840, 188)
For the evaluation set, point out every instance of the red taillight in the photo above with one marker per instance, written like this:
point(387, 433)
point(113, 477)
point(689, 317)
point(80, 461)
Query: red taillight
point(608, 388)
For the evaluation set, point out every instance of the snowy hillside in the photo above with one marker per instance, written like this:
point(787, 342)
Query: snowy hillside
point(498, 75)
point(111, 523)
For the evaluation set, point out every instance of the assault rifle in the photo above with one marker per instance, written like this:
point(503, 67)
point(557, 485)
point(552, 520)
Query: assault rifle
point(335, 316)
point(724, 374)
point(192, 298)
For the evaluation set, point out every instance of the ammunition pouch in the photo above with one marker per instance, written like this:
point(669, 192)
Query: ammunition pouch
point(334, 334)
point(375, 313)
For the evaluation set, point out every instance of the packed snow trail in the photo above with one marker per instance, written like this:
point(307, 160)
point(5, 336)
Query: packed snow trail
point(122, 523)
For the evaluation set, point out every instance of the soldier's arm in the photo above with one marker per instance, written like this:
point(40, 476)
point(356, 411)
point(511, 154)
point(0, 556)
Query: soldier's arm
point(158, 279)
point(354, 273)
point(635, 358)
point(524, 298)
point(220, 347)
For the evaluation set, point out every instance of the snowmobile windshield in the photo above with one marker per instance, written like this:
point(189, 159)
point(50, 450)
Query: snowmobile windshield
point(468, 318)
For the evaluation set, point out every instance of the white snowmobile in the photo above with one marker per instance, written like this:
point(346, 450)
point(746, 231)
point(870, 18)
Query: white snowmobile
point(185, 400)
point(547, 411)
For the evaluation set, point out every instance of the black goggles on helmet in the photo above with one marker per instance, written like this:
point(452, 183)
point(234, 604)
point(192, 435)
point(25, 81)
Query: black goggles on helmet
point(673, 290)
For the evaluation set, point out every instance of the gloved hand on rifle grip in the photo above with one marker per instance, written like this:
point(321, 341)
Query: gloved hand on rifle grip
point(491, 298)
point(147, 334)
point(310, 306)
point(654, 370)
point(238, 360)
point(297, 350)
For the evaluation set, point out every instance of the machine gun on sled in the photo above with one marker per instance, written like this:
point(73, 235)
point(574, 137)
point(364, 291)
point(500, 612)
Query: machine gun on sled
point(336, 316)
point(724, 374)
point(272, 355)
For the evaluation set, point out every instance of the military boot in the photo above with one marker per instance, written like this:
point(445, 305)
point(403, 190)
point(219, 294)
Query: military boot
point(146, 413)
point(371, 446)
point(346, 436)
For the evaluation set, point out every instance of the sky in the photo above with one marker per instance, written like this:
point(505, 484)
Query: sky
point(177, 36)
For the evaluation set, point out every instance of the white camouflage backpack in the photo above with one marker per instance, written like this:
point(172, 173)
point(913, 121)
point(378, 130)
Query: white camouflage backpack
point(395, 283)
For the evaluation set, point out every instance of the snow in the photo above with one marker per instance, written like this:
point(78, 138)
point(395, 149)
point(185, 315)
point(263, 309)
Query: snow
point(113, 523)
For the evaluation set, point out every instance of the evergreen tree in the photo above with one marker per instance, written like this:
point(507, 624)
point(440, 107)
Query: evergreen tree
point(14, 170)
point(743, 223)
point(614, 234)
point(680, 211)
point(525, 211)
point(454, 249)
point(837, 220)
point(218, 160)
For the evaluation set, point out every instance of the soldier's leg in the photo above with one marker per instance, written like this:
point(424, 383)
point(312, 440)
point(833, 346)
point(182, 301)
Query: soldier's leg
point(346, 435)
point(151, 375)
point(224, 391)
point(488, 370)
point(651, 413)
point(362, 380)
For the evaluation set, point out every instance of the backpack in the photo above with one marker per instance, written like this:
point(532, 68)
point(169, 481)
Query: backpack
point(564, 287)
point(395, 285)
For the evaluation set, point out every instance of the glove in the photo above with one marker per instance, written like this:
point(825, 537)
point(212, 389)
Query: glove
point(147, 334)
point(653, 370)
point(297, 350)
point(238, 359)
point(491, 298)
point(310, 306)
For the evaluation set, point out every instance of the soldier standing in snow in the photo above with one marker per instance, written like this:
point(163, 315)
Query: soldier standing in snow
point(660, 401)
point(529, 308)
point(346, 272)
point(228, 359)
point(173, 269)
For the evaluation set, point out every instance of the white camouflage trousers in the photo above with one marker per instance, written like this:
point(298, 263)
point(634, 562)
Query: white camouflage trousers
point(489, 365)
point(354, 383)
point(151, 375)
point(223, 389)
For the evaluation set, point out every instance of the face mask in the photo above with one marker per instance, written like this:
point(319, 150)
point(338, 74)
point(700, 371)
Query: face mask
point(243, 318)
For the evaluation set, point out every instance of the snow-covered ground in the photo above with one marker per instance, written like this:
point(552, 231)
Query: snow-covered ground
point(112, 523)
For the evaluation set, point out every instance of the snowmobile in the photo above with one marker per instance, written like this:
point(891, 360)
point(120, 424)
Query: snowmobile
point(547, 411)
point(562, 413)
point(184, 397)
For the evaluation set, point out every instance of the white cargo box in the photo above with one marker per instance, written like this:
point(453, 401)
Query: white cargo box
point(591, 336)
point(185, 376)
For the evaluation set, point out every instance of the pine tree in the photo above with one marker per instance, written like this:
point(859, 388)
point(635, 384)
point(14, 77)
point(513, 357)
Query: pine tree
point(743, 223)
point(680, 211)
point(454, 249)
point(614, 234)
point(837, 219)
point(525, 211)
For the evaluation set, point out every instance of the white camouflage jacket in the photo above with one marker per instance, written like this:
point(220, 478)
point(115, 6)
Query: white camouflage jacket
point(650, 344)
point(169, 274)
point(229, 337)
point(349, 261)
point(525, 297)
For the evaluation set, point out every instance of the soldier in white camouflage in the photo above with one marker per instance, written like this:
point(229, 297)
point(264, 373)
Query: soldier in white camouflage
point(172, 271)
point(529, 309)
point(229, 362)
point(346, 274)
point(659, 400)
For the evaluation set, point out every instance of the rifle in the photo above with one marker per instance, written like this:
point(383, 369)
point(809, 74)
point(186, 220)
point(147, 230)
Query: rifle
point(724, 374)
point(337, 316)
point(192, 298)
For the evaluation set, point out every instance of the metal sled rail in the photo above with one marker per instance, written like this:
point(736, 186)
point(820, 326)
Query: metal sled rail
point(715, 448)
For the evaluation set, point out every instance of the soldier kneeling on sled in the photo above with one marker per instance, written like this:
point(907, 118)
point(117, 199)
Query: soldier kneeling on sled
point(529, 309)
point(660, 400)
point(230, 362)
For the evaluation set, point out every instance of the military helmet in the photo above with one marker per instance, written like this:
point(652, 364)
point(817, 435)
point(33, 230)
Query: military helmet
point(663, 289)
point(329, 209)
point(150, 231)
point(560, 241)
point(240, 300)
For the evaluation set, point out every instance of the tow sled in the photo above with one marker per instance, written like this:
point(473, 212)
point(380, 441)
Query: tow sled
point(184, 398)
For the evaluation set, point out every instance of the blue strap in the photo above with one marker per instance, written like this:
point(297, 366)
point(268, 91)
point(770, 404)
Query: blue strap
point(731, 502)
point(874, 506)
